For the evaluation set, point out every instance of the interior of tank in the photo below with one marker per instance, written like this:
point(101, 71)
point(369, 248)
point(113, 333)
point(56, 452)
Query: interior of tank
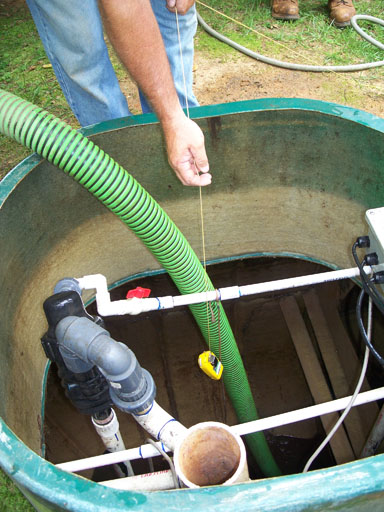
point(277, 361)
point(291, 184)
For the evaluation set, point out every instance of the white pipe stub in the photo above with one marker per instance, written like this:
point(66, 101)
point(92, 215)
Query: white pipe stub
point(210, 453)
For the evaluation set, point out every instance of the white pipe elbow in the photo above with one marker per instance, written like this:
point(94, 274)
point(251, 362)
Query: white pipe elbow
point(105, 307)
point(161, 425)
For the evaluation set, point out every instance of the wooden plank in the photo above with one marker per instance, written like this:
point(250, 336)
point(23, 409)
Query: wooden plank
point(339, 443)
point(336, 373)
point(348, 357)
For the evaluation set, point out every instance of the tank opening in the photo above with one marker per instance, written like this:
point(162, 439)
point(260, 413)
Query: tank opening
point(269, 330)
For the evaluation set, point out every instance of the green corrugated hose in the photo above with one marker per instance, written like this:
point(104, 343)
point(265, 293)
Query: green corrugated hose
point(123, 195)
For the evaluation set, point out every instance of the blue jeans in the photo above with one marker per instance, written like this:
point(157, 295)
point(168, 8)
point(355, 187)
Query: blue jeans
point(72, 34)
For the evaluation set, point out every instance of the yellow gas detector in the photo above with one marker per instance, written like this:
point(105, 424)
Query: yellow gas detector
point(210, 365)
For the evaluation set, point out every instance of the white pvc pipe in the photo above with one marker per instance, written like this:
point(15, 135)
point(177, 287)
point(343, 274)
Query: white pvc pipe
point(159, 481)
point(142, 452)
point(161, 425)
point(135, 306)
point(307, 413)
point(157, 422)
point(105, 307)
point(109, 431)
point(210, 453)
point(148, 450)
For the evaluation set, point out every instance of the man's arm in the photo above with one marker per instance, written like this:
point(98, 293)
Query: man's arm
point(133, 31)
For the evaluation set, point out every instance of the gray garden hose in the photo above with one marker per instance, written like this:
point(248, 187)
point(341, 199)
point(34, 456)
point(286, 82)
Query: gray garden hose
point(361, 32)
point(304, 67)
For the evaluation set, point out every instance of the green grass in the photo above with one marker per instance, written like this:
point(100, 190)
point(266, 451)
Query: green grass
point(11, 499)
point(312, 35)
point(25, 70)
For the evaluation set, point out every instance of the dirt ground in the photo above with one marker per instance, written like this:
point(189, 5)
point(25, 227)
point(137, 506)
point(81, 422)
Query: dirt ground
point(245, 78)
point(240, 77)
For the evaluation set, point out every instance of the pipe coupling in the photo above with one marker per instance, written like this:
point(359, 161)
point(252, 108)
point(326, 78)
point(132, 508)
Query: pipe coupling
point(83, 342)
point(131, 403)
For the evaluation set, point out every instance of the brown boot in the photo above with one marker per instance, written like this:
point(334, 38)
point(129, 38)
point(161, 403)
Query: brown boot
point(341, 12)
point(285, 9)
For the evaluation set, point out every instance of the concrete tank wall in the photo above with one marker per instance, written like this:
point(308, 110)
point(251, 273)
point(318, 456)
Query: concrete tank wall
point(289, 177)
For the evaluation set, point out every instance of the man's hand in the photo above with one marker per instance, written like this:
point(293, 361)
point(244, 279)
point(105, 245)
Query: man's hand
point(186, 151)
point(182, 6)
point(143, 54)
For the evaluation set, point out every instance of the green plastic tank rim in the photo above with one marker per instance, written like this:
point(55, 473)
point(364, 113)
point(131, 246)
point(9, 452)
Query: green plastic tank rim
point(240, 107)
point(11, 180)
point(348, 483)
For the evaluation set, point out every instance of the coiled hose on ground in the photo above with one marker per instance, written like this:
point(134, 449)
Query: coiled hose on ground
point(125, 197)
point(305, 67)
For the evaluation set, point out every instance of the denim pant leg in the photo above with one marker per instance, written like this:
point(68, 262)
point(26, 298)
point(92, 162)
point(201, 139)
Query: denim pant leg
point(168, 28)
point(72, 34)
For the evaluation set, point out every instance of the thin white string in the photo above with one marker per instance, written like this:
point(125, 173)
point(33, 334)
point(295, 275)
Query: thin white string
point(200, 192)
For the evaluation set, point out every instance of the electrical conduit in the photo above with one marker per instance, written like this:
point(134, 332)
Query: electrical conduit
point(123, 195)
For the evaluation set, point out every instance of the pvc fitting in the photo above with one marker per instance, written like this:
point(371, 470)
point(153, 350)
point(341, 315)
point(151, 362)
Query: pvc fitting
point(161, 425)
point(134, 404)
point(67, 284)
point(109, 431)
point(210, 454)
point(73, 362)
point(82, 343)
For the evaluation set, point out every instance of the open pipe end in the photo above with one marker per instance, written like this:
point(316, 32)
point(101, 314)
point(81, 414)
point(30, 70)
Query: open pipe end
point(210, 454)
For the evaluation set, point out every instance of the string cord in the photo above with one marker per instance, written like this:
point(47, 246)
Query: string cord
point(200, 191)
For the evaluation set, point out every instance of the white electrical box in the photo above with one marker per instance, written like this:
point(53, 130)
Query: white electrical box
point(375, 220)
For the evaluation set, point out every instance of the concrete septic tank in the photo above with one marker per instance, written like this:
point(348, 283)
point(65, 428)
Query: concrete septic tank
point(290, 178)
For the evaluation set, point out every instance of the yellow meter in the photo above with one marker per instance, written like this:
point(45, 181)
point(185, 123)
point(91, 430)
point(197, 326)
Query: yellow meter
point(210, 365)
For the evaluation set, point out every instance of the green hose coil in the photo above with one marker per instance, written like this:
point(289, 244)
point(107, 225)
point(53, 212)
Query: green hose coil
point(124, 196)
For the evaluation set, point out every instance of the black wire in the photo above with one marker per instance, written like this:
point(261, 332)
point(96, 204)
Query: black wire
point(363, 332)
point(366, 281)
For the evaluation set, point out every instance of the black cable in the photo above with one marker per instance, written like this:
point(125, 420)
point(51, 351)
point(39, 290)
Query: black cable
point(363, 332)
point(366, 281)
